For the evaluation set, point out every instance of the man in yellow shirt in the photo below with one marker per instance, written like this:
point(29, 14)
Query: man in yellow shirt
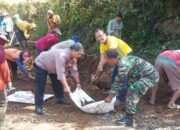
point(107, 43)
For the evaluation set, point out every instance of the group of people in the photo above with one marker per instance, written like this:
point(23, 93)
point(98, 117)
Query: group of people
point(17, 30)
point(54, 57)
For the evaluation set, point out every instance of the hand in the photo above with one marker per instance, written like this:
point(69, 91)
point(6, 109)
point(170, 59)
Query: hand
point(78, 85)
point(100, 68)
point(93, 77)
point(108, 99)
point(67, 90)
point(30, 76)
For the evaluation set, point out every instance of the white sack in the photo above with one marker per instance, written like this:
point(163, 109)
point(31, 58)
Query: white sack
point(25, 97)
point(79, 97)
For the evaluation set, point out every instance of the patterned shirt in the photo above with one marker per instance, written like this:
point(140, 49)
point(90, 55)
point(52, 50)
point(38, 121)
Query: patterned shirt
point(113, 26)
point(135, 68)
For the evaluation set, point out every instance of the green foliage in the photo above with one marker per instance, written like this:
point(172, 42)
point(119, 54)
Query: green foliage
point(82, 17)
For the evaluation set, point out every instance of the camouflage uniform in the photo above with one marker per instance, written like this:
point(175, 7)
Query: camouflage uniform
point(144, 75)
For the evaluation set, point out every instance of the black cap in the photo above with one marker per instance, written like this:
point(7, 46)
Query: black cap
point(119, 15)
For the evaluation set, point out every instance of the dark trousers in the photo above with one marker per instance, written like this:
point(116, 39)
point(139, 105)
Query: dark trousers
point(13, 68)
point(123, 91)
point(41, 78)
point(21, 38)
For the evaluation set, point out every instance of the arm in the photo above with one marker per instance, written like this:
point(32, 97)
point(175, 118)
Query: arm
point(65, 85)
point(21, 67)
point(100, 67)
point(60, 70)
point(123, 71)
point(75, 74)
point(102, 62)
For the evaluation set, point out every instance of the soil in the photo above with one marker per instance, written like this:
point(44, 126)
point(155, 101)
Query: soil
point(59, 117)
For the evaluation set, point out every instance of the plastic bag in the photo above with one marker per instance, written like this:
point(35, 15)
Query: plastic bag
point(79, 97)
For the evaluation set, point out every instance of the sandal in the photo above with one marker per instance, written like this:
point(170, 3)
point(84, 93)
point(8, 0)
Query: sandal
point(173, 106)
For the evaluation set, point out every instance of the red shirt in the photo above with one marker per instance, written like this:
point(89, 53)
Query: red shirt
point(173, 55)
point(46, 42)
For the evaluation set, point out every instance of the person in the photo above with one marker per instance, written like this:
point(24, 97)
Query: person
point(58, 61)
point(47, 41)
point(2, 24)
point(5, 78)
point(8, 25)
point(146, 77)
point(168, 66)
point(53, 20)
point(23, 31)
point(107, 43)
point(15, 58)
point(115, 26)
point(67, 44)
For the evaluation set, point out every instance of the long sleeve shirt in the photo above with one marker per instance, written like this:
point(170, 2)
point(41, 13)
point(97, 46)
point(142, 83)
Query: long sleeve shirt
point(25, 27)
point(56, 61)
point(46, 42)
point(135, 68)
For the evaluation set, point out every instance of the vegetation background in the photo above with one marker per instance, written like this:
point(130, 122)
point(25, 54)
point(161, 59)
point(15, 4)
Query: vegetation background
point(150, 26)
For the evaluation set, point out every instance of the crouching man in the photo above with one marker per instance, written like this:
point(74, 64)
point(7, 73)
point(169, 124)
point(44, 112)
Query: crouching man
point(54, 63)
point(146, 77)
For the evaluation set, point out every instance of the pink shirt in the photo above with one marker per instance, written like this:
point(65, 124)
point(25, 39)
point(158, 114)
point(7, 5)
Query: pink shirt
point(173, 55)
point(56, 62)
point(46, 42)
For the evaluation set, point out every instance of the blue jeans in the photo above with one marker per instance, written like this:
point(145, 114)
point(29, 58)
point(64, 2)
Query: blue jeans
point(41, 78)
point(123, 90)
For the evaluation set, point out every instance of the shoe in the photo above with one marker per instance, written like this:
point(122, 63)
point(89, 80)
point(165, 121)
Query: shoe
point(126, 120)
point(173, 106)
point(63, 101)
point(39, 110)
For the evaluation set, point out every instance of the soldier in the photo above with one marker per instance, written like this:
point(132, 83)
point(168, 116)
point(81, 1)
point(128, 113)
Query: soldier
point(146, 77)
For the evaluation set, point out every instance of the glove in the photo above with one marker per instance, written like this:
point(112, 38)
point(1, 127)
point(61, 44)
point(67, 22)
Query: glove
point(78, 85)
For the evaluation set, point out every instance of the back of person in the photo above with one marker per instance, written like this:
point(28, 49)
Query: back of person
point(140, 67)
point(46, 42)
point(54, 21)
point(12, 53)
point(172, 56)
point(63, 44)
point(55, 58)
point(25, 27)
